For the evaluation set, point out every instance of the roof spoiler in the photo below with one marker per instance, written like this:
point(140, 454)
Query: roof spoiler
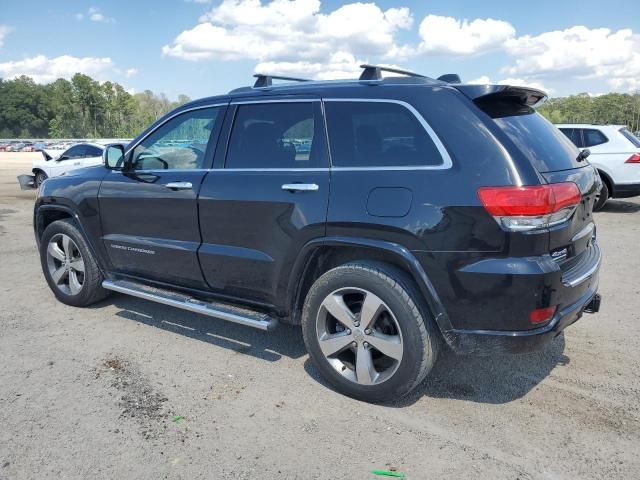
point(530, 97)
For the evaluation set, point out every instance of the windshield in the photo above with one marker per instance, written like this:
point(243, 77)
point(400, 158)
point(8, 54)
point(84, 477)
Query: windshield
point(631, 137)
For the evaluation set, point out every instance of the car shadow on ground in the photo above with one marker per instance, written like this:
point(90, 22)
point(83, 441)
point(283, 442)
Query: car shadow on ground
point(492, 379)
point(285, 341)
point(620, 206)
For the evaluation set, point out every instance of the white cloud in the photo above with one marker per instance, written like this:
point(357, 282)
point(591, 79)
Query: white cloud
point(579, 52)
point(339, 65)
point(131, 72)
point(4, 31)
point(294, 35)
point(43, 69)
point(299, 37)
point(447, 35)
point(95, 15)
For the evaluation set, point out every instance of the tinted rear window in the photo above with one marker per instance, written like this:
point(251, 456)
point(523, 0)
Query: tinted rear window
point(547, 148)
point(631, 137)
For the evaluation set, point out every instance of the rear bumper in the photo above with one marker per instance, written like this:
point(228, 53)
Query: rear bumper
point(487, 342)
point(626, 190)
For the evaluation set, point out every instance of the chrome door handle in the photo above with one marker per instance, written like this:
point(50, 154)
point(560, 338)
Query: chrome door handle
point(179, 185)
point(300, 187)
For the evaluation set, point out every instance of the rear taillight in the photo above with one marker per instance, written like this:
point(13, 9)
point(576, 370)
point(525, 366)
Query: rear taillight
point(542, 315)
point(635, 158)
point(531, 207)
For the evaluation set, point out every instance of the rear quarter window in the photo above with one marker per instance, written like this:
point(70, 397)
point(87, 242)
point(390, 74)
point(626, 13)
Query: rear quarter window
point(547, 148)
point(378, 134)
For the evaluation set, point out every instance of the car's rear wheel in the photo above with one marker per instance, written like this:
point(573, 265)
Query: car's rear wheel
point(40, 177)
point(69, 265)
point(368, 331)
point(601, 197)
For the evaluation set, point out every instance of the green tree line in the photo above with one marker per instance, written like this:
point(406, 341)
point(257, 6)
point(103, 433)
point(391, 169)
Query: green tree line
point(85, 108)
point(612, 108)
point(78, 108)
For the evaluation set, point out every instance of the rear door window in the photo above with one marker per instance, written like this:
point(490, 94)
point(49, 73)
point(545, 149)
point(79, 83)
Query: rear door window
point(377, 134)
point(593, 137)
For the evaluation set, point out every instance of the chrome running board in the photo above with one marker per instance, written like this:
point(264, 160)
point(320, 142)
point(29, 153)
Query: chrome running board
point(223, 311)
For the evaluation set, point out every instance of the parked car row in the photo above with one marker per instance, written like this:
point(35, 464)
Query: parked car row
point(16, 146)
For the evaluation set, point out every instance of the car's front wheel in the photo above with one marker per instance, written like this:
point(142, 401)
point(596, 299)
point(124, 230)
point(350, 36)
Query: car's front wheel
point(40, 178)
point(368, 332)
point(69, 265)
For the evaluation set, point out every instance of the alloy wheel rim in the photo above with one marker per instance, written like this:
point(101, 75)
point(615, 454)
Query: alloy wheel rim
point(359, 336)
point(65, 264)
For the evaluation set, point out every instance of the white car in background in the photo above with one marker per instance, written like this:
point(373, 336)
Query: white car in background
point(53, 163)
point(615, 153)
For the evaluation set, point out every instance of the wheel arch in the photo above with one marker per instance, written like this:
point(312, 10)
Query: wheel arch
point(607, 178)
point(321, 255)
point(45, 215)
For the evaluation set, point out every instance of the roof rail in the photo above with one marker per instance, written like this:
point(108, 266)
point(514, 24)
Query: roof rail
point(374, 72)
point(265, 80)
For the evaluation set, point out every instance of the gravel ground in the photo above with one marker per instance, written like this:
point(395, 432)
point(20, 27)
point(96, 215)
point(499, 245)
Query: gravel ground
point(130, 389)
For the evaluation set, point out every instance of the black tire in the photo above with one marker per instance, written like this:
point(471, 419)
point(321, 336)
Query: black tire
point(420, 336)
point(91, 290)
point(40, 177)
point(603, 196)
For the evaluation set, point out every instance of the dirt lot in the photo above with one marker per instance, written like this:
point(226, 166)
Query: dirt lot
point(92, 393)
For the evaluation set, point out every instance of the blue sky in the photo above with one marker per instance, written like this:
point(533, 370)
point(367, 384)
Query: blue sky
point(204, 48)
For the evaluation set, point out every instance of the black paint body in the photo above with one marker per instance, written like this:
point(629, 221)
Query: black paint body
point(238, 236)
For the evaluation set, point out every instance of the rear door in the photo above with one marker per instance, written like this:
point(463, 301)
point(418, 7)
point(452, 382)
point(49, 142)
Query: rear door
point(268, 198)
point(150, 213)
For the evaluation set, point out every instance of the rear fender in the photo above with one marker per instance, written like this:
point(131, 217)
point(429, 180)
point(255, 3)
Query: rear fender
point(400, 253)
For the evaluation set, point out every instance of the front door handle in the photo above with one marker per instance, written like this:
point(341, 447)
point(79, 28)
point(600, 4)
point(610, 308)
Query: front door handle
point(300, 187)
point(179, 185)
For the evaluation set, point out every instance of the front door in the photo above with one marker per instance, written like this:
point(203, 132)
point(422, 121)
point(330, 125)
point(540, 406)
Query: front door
point(69, 160)
point(150, 212)
point(268, 200)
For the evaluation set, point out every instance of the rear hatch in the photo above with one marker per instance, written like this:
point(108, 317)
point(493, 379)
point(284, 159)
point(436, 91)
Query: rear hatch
point(556, 159)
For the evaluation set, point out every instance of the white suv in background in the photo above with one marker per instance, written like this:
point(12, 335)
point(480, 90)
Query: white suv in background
point(78, 156)
point(615, 152)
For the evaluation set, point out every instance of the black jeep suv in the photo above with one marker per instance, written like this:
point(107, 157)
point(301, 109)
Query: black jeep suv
point(390, 217)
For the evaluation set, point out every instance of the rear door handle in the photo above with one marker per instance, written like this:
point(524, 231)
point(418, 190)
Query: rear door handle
point(179, 185)
point(300, 187)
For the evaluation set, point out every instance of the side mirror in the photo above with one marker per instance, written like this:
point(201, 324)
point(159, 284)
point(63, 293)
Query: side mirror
point(113, 157)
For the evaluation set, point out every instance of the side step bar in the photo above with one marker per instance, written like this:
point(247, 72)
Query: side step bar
point(223, 311)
